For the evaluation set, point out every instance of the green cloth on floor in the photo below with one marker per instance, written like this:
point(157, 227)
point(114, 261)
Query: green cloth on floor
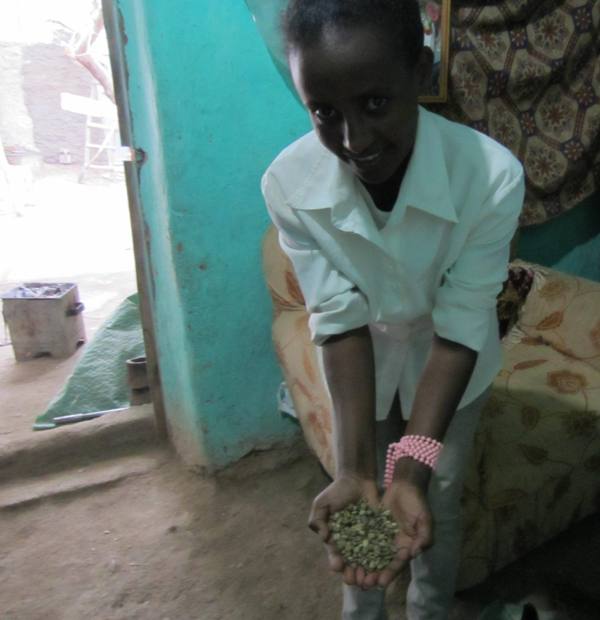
point(99, 381)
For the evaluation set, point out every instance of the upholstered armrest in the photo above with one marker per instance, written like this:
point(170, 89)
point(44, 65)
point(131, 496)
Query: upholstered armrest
point(296, 352)
point(280, 276)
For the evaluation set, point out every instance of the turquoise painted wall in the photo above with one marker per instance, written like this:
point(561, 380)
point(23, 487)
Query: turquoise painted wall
point(211, 112)
point(569, 243)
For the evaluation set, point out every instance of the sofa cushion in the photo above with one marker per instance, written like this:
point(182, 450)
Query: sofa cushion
point(540, 422)
point(536, 461)
point(564, 313)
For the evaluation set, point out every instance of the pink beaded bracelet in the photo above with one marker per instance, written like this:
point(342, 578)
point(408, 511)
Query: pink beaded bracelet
point(423, 449)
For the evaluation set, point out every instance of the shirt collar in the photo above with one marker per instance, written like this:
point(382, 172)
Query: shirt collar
point(425, 185)
point(330, 184)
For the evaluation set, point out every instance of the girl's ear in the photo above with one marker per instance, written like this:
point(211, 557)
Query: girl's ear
point(424, 68)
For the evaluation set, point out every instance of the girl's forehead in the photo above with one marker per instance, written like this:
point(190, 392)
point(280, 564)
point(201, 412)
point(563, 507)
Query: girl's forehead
point(368, 42)
point(347, 60)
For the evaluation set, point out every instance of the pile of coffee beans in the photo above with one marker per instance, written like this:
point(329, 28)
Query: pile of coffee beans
point(364, 536)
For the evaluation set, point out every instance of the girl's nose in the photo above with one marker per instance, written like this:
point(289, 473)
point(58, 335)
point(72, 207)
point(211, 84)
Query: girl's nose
point(357, 137)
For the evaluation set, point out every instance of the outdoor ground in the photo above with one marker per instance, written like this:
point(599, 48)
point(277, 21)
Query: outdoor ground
point(101, 522)
point(64, 231)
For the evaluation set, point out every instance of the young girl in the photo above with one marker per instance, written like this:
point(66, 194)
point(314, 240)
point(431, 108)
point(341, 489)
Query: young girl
point(398, 224)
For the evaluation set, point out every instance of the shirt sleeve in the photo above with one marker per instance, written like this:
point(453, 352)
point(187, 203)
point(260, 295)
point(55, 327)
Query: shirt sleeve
point(465, 302)
point(335, 304)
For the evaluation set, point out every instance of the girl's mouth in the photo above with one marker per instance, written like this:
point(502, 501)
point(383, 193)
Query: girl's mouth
point(365, 160)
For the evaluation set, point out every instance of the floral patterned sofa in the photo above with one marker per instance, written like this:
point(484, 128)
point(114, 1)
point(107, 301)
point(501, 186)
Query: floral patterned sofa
point(535, 468)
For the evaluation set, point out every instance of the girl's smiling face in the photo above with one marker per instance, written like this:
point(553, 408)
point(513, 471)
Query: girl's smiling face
point(362, 98)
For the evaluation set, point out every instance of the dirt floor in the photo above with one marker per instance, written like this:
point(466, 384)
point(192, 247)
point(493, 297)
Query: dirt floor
point(168, 544)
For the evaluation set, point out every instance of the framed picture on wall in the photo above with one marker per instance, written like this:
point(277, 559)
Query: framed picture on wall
point(435, 15)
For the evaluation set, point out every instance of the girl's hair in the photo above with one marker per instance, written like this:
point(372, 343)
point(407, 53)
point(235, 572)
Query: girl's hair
point(304, 21)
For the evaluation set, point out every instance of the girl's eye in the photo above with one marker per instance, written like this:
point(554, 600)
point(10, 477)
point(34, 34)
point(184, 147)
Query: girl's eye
point(375, 104)
point(325, 113)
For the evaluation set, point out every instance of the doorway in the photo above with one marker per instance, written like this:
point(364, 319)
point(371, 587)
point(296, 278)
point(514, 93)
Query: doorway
point(63, 201)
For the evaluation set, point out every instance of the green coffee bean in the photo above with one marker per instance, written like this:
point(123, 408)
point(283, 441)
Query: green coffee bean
point(364, 536)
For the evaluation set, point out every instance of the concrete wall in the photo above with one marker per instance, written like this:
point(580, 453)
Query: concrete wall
point(211, 112)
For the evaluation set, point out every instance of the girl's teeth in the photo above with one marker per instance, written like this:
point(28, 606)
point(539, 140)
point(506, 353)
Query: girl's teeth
point(366, 159)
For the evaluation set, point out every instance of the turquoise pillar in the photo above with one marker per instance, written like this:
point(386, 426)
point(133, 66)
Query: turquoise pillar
point(210, 111)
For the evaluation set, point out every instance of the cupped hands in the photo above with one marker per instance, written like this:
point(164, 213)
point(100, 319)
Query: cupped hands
point(409, 507)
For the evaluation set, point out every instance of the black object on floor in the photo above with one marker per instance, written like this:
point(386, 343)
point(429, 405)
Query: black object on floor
point(529, 612)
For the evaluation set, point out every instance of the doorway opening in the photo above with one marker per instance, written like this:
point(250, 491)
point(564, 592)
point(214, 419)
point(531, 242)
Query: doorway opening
point(64, 215)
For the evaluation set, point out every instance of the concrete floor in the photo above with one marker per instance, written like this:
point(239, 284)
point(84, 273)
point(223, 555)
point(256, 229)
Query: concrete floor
point(101, 521)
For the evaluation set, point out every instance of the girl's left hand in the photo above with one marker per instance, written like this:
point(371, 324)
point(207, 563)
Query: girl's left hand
point(408, 503)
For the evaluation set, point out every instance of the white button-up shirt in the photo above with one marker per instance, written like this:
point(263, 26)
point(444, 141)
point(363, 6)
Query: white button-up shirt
point(437, 265)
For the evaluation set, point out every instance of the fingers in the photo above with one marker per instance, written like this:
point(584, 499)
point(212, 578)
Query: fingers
point(317, 521)
point(349, 576)
point(388, 574)
point(359, 576)
point(370, 581)
point(366, 580)
point(372, 497)
point(423, 537)
point(336, 561)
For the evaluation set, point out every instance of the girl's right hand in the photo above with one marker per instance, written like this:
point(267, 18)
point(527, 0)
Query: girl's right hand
point(343, 491)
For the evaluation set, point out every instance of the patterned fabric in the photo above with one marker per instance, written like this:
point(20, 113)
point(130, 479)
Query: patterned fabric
point(536, 460)
point(527, 73)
